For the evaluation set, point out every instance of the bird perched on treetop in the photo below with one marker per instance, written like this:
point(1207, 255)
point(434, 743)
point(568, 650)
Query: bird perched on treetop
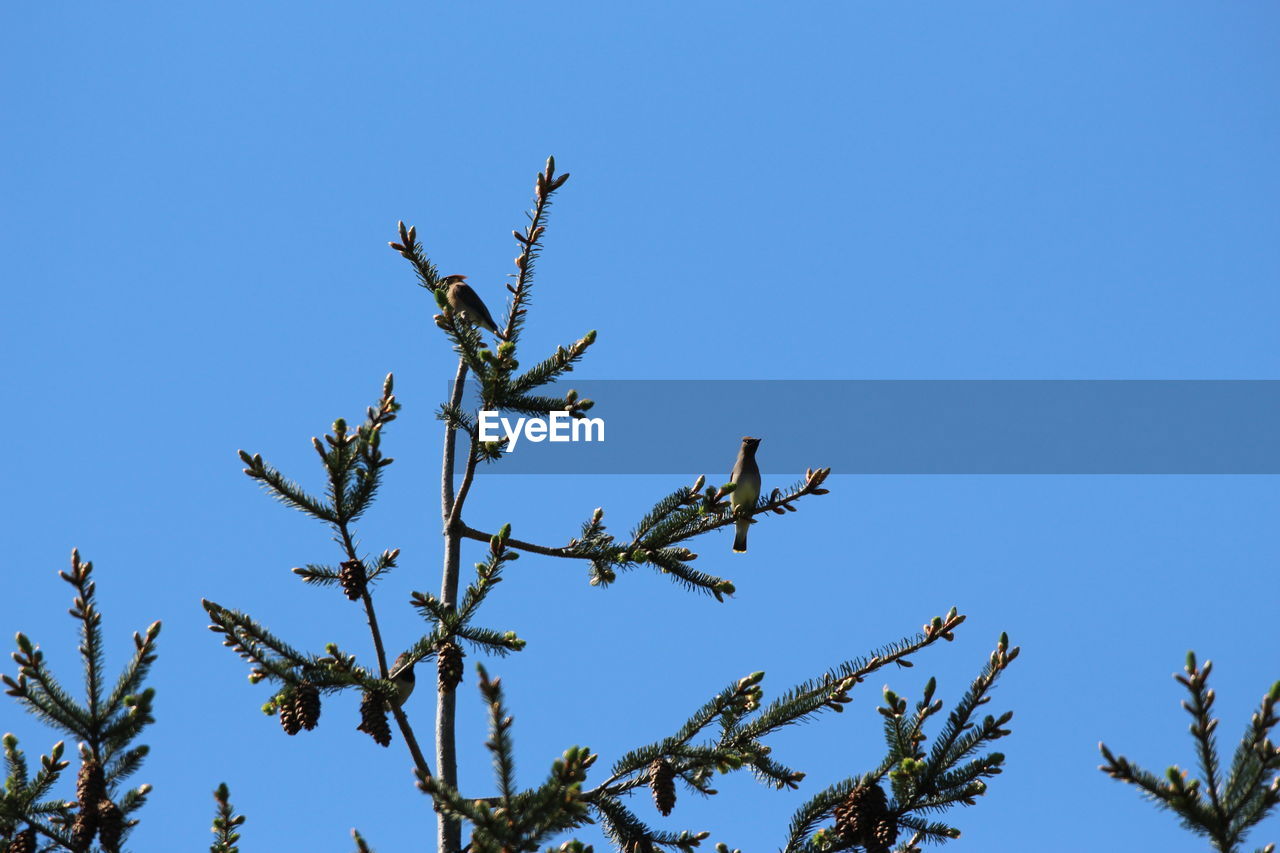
point(746, 481)
point(467, 304)
point(403, 677)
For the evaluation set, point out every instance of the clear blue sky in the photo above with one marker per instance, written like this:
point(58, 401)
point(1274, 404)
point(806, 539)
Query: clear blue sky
point(196, 202)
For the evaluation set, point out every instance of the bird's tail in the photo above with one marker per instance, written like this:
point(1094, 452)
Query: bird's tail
point(740, 540)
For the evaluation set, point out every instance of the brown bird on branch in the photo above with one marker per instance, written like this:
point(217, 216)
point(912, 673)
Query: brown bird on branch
point(466, 304)
point(746, 481)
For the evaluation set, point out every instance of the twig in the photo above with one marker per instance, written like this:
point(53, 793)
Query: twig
point(548, 182)
point(938, 629)
point(776, 503)
point(419, 760)
point(446, 480)
point(468, 475)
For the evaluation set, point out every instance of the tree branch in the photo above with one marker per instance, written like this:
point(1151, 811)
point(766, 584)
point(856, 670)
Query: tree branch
point(519, 544)
point(446, 479)
point(531, 242)
point(777, 503)
point(468, 475)
point(406, 731)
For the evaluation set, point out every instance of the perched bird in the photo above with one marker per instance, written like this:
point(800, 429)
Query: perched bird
point(403, 677)
point(467, 304)
point(746, 480)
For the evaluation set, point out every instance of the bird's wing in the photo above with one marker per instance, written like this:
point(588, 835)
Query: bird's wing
point(477, 304)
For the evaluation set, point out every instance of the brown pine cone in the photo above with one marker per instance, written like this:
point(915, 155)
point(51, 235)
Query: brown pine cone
point(883, 835)
point(373, 719)
point(23, 842)
point(449, 665)
point(860, 813)
point(306, 705)
point(352, 579)
point(848, 818)
point(90, 784)
point(288, 710)
point(662, 782)
point(84, 829)
point(110, 824)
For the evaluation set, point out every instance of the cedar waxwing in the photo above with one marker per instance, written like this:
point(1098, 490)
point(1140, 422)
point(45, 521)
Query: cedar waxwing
point(466, 303)
point(746, 479)
point(404, 679)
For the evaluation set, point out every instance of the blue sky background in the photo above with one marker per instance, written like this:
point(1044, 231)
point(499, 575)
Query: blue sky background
point(196, 202)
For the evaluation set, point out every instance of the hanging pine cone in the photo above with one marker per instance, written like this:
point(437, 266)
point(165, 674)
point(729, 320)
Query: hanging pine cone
point(306, 705)
point(449, 663)
point(83, 829)
point(351, 577)
point(110, 824)
point(662, 782)
point(23, 842)
point(90, 785)
point(373, 719)
point(288, 710)
point(861, 813)
point(848, 817)
point(883, 835)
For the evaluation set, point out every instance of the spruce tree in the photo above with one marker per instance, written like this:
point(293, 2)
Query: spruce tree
point(896, 805)
point(106, 724)
point(726, 733)
point(1223, 804)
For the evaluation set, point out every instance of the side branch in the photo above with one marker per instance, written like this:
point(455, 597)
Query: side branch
point(778, 502)
point(531, 243)
point(450, 443)
point(519, 544)
point(468, 475)
point(419, 760)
